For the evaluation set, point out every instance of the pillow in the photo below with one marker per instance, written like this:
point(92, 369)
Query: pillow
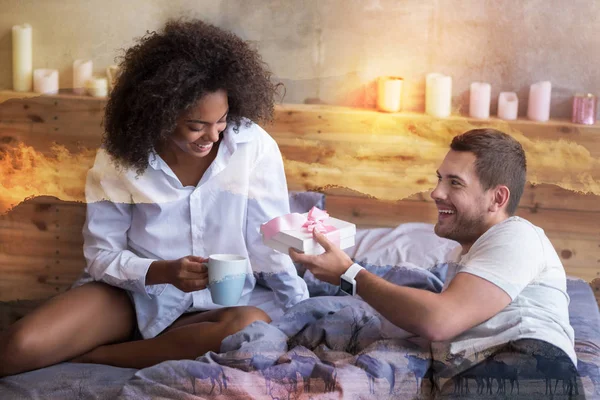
point(414, 243)
point(302, 202)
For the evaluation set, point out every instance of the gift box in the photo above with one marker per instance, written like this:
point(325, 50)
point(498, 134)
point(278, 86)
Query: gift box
point(295, 230)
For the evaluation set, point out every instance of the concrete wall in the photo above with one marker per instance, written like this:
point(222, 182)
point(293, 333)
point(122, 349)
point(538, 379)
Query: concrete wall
point(332, 50)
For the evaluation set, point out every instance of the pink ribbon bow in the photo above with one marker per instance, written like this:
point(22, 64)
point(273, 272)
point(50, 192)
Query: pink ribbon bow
point(315, 220)
point(294, 221)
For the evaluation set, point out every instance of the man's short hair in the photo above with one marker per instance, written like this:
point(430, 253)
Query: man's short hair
point(500, 161)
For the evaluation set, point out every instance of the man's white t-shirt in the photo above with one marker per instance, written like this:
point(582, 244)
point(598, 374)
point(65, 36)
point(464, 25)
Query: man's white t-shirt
point(518, 257)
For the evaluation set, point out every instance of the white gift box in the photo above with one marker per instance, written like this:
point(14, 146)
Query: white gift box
point(302, 239)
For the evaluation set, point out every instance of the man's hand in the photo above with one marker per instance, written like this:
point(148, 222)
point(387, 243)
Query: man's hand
point(328, 266)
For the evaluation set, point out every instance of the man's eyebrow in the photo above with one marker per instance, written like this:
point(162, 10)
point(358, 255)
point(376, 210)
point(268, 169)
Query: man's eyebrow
point(197, 121)
point(451, 176)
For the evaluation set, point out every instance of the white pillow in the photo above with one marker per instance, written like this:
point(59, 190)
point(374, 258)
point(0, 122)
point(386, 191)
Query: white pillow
point(415, 243)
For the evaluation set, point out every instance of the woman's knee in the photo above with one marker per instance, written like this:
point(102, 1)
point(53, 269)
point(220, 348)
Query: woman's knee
point(18, 347)
point(237, 318)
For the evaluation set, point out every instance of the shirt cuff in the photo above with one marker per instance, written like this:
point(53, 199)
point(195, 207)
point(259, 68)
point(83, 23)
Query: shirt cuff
point(136, 271)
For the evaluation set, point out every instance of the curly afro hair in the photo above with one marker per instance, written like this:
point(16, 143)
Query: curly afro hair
point(167, 72)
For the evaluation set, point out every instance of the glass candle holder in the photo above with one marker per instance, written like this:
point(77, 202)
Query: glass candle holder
point(584, 109)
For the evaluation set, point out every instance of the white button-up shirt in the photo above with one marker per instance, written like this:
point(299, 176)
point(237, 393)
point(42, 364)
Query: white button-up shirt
point(134, 220)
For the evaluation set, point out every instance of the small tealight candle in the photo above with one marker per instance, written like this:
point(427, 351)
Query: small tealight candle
point(82, 71)
point(389, 93)
point(438, 95)
point(538, 108)
point(479, 101)
point(97, 87)
point(508, 106)
point(45, 81)
point(584, 109)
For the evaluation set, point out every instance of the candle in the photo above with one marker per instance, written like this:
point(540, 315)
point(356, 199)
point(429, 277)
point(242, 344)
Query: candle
point(82, 71)
point(438, 95)
point(389, 93)
point(97, 87)
point(479, 100)
point(538, 108)
point(112, 72)
point(22, 58)
point(584, 109)
point(45, 81)
point(508, 105)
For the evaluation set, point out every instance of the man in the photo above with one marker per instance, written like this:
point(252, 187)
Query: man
point(506, 281)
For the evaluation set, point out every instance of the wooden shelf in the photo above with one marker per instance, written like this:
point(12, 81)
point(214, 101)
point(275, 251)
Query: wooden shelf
point(317, 108)
point(416, 115)
point(9, 94)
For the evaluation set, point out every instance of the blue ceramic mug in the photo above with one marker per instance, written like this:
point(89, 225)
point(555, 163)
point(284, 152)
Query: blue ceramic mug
point(226, 277)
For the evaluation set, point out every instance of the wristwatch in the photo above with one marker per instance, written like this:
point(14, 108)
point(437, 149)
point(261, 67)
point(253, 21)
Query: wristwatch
point(347, 281)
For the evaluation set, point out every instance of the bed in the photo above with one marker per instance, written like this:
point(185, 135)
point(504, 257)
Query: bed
point(336, 346)
point(330, 346)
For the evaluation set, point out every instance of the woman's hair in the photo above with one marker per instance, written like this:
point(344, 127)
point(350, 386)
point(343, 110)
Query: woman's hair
point(167, 72)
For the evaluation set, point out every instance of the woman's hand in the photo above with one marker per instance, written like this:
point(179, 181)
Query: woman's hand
point(188, 274)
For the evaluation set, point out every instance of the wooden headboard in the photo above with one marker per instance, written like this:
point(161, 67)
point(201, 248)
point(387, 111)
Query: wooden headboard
point(41, 243)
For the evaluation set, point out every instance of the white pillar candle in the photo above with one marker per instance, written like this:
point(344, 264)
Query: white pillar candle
point(22, 58)
point(389, 93)
point(508, 105)
point(45, 81)
point(97, 87)
point(82, 71)
point(438, 95)
point(479, 100)
point(538, 108)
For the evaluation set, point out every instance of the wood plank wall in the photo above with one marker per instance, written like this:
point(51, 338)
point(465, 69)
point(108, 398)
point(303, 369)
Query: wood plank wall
point(40, 240)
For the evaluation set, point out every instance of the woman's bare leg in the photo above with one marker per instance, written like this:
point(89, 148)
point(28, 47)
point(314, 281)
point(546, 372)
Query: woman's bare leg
point(68, 325)
point(187, 338)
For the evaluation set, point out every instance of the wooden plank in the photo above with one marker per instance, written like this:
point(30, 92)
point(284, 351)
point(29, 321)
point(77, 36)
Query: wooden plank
point(41, 248)
point(574, 234)
point(36, 278)
point(372, 212)
point(328, 122)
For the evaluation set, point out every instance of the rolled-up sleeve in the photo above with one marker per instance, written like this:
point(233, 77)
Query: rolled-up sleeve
point(108, 219)
point(267, 199)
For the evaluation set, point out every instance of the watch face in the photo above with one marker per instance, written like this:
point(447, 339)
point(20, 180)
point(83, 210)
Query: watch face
point(346, 286)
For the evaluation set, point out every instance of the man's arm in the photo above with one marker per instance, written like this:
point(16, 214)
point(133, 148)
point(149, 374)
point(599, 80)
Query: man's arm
point(468, 301)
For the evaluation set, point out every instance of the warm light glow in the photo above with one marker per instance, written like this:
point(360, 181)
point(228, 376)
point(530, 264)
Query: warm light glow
point(394, 159)
point(389, 93)
point(25, 172)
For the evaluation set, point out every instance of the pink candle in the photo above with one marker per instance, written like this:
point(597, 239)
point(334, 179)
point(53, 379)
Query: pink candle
point(538, 108)
point(584, 109)
point(45, 81)
point(479, 101)
point(508, 105)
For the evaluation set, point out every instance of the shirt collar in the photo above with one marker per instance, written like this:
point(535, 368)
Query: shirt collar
point(231, 139)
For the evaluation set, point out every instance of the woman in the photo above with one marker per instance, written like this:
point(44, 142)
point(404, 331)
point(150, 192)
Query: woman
point(183, 173)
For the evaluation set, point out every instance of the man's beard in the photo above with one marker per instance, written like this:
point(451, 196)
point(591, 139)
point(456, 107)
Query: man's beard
point(464, 230)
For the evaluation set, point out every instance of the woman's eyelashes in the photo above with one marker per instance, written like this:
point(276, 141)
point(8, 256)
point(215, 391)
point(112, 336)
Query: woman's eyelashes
point(220, 126)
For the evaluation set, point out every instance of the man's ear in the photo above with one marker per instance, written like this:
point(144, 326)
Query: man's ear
point(500, 197)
